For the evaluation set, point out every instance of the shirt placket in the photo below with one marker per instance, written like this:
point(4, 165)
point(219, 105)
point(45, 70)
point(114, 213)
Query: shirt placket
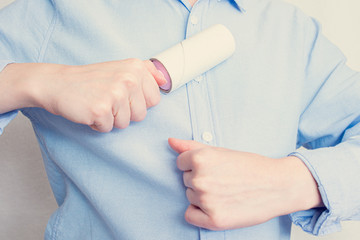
point(198, 94)
point(199, 102)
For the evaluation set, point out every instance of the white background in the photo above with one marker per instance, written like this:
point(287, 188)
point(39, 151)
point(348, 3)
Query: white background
point(26, 201)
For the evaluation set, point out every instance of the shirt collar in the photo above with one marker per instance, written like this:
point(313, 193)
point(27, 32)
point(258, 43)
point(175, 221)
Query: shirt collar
point(239, 4)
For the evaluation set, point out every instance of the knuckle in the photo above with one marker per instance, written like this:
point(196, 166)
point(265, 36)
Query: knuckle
point(123, 79)
point(199, 184)
point(204, 201)
point(135, 62)
point(136, 65)
point(199, 158)
point(188, 217)
point(101, 127)
point(153, 100)
point(188, 193)
point(129, 80)
point(118, 95)
point(216, 222)
point(99, 111)
point(139, 116)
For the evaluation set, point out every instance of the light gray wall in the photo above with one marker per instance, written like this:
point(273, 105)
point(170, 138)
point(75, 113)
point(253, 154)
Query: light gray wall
point(26, 201)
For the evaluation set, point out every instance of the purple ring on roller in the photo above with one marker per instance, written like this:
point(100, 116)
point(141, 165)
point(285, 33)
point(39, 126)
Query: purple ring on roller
point(166, 88)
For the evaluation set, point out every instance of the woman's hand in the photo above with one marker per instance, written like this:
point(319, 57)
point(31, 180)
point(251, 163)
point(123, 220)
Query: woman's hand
point(102, 95)
point(231, 189)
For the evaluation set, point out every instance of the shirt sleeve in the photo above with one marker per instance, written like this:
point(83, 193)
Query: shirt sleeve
point(5, 118)
point(24, 27)
point(329, 131)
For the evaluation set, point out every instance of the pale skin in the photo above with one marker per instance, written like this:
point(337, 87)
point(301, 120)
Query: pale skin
point(232, 189)
point(102, 95)
point(226, 189)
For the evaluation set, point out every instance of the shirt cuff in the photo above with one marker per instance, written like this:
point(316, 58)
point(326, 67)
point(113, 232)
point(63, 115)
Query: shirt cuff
point(5, 118)
point(335, 170)
point(3, 63)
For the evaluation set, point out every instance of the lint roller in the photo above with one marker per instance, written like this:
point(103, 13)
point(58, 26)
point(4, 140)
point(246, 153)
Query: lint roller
point(194, 56)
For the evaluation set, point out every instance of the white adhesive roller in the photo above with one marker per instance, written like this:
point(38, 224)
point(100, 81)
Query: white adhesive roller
point(194, 56)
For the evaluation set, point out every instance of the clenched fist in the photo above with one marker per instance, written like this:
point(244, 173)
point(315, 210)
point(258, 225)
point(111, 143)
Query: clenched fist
point(102, 95)
point(231, 189)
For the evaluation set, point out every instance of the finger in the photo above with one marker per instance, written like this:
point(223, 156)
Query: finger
point(187, 179)
point(193, 197)
point(196, 217)
point(184, 161)
point(151, 91)
point(158, 76)
point(103, 124)
point(180, 146)
point(137, 106)
point(122, 115)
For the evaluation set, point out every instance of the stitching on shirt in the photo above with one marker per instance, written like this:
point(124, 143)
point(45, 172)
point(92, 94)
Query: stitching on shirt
point(55, 228)
point(212, 108)
point(313, 143)
point(192, 113)
point(48, 34)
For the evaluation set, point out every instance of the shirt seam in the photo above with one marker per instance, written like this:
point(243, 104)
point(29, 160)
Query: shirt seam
point(308, 53)
point(48, 35)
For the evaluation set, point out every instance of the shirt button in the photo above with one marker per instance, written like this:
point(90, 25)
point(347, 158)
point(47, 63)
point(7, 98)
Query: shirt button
point(194, 20)
point(207, 136)
point(198, 79)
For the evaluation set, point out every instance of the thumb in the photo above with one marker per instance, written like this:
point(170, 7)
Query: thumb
point(158, 76)
point(180, 146)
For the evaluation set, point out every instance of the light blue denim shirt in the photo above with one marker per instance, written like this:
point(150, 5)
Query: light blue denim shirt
point(286, 86)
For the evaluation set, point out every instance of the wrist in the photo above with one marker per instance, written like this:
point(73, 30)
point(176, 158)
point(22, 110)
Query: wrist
point(301, 187)
point(25, 85)
point(14, 94)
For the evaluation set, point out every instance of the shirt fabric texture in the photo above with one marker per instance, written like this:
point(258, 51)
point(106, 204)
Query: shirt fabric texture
point(286, 86)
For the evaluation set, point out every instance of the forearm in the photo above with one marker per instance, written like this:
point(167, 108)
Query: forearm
point(232, 189)
point(97, 95)
point(17, 88)
point(300, 188)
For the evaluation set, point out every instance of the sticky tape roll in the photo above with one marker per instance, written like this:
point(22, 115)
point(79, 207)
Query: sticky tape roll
point(194, 56)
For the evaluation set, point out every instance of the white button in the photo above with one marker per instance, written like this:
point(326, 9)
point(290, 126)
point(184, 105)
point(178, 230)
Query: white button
point(198, 79)
point(194, 20)
point(207, 136)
